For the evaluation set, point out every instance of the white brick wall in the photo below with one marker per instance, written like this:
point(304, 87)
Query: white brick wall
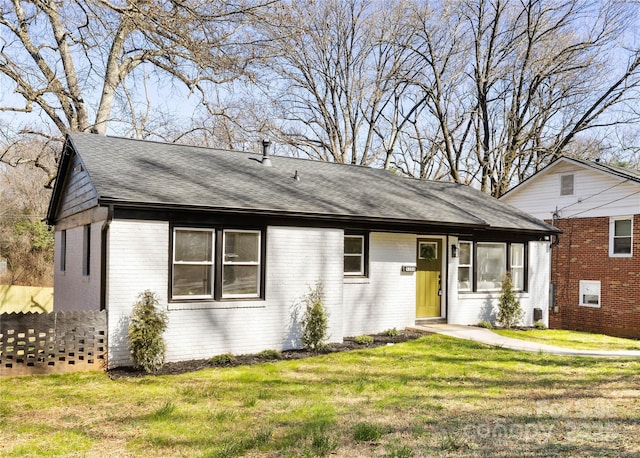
point(470, 308)
point(138, 260)
point(387, 299)
point(296, 259)
point(72, 290)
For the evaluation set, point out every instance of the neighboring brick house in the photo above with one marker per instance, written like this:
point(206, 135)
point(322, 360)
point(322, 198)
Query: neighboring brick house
point(595, 267)
point(231, 242)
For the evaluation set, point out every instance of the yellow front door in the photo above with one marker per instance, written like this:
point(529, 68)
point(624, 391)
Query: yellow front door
point(428, 278)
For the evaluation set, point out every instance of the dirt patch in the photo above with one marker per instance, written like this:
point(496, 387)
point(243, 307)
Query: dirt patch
point(349, 344)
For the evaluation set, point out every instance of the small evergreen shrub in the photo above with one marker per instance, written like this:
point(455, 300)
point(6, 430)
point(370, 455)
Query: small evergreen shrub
point(509, 310)
point(393, 332)
point(315, 320)
point(269, 354)
point(485, 324)
point(363, 340)
point(226, 359)
point(146, 326)
point(539, 325)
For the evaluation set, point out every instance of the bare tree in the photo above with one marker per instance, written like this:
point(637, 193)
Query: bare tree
point(85, 64)
point(334, 81)
point(512, 84)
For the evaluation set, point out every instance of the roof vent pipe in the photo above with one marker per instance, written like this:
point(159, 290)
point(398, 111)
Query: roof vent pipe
point(266, 161)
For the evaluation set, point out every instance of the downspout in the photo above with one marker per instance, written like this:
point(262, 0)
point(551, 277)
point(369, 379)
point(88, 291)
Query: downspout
point(552, 286)
point(104, 237)
point(445, 290)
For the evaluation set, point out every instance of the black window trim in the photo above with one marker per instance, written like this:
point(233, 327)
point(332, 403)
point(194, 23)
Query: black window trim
point(474, 264)
point(175, 229)
point(63, 250)
point(218, 230)
point(86, 250)
point(365, 253)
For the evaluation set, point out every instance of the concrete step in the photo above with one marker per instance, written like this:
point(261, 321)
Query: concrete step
point(427, 321)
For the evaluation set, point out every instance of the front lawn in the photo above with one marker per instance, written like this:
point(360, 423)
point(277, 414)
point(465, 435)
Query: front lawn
point(571, 339)
point(435, 396)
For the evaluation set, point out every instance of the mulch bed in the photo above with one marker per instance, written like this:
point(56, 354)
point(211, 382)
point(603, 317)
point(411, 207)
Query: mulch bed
point(349, 344)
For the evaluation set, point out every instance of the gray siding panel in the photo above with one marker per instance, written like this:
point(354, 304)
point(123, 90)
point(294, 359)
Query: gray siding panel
point(79, 193)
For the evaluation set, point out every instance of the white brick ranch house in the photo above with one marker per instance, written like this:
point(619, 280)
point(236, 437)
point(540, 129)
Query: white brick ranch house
point(232, 241)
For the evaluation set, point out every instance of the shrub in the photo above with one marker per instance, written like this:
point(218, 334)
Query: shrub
point(363, 340)
point(269, 354)
point(485, 324)
point(509, 310)
point(393, 332)
point(539, 325)
point(146, 327)
point(315, 320)
point(226, 359)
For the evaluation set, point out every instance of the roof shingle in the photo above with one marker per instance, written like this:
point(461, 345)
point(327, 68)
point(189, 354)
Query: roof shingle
point(129, 171)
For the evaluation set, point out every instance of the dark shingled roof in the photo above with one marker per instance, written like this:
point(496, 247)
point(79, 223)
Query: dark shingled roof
point(132, 172)
point(622, 172)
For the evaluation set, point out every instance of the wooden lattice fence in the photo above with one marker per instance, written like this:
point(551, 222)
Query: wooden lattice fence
point(52, 343)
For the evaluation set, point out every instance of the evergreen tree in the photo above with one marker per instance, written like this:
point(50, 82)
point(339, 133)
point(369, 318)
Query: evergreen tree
point(509, 310)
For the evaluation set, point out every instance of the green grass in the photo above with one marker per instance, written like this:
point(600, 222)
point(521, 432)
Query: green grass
point(435, 396)
point(571, 339)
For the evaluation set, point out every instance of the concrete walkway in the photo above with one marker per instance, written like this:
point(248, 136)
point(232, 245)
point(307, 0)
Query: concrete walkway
point(488, 337)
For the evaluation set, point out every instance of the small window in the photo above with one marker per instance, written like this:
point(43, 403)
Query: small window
point(354, 254)
point(192, 275)
point(620, 237)
point(566, 185)
point(241, 264)
point(465, 267)
point(428, 251)
point(517, 265)
point(491, 265)
point(63, 250)
point(86, 250)
point(589, 293)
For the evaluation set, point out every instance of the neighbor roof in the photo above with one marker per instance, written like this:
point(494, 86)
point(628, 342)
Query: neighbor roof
point(149, 174)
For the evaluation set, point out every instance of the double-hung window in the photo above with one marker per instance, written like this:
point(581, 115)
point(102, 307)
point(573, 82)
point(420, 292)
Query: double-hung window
point(216, 264)
point(241, 264)
point(516, 265)
point(465, 266)
point(620, 236)
point(354, 255)
point(193, 267)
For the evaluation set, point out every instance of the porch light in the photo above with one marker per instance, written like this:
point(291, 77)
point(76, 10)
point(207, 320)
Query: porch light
point(454, 251)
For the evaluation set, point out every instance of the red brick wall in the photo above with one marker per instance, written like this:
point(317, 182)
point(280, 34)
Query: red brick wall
point(583, 254)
